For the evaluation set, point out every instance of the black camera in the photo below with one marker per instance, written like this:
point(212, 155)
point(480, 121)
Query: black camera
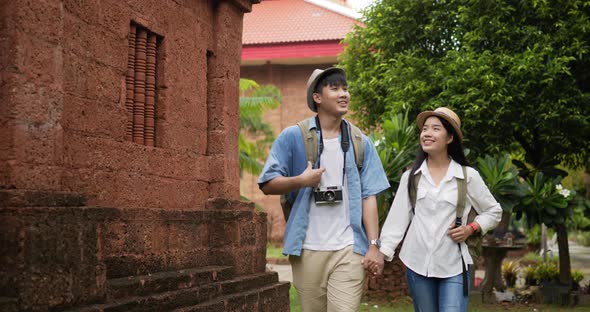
point(327, 194)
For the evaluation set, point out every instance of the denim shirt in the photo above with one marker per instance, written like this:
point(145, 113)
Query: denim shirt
point(287, 158)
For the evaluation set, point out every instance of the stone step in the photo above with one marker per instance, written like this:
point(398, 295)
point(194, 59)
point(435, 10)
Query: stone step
point(8, 304)
point(172, 299)
point(273, 297)
point(136, 286)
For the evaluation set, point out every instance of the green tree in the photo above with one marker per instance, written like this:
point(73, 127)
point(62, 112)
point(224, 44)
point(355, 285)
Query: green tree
point(518, 72)
point(255, 134)
point(544, 202)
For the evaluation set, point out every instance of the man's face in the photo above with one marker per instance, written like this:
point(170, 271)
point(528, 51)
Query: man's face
point(333, 100)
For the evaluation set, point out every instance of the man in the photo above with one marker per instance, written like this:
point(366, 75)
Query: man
point(327, 239)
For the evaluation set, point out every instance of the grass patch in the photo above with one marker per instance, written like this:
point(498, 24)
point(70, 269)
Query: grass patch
point(274, 252)
point(405, 305)
point(295, 307)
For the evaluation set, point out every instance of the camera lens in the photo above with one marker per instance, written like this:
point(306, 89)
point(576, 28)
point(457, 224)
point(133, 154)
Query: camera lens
point(329, 195)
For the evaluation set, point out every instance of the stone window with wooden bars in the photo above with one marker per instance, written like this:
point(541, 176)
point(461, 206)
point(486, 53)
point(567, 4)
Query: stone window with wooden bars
point(140, 83)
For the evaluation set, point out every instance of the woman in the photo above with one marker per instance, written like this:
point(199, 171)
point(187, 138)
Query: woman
point(434, 250)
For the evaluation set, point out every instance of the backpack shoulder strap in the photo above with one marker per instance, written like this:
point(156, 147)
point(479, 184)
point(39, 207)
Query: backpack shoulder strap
point(357, 145)
point(461, 190)
point(414, 190)
point(462, 193)
point(310, 140)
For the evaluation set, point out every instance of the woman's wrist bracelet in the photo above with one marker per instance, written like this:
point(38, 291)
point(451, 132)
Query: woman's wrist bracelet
point(473, 226)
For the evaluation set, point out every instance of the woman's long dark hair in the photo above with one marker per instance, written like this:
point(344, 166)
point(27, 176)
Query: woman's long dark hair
point(454, 149)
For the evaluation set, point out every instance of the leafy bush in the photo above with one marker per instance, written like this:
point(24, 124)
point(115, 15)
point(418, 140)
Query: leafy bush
point(534, 258)
point(529, 276)
point(577, 276)
point(582, 238)
point(543, 202)
point(546, 272)
point(580, 218)
point(501, 177)
point(396, 144)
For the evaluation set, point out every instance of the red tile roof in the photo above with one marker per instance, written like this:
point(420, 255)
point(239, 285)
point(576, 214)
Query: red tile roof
point(280, 21)
point(292, 50)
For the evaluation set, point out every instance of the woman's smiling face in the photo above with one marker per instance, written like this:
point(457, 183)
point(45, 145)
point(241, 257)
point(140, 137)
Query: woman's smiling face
point(434, 138)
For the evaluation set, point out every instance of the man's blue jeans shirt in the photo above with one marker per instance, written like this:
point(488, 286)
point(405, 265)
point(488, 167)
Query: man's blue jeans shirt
point(287, 158)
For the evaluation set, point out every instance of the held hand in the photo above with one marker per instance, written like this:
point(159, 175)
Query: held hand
point(459, 234)
point(373, 261)
point(311, 177)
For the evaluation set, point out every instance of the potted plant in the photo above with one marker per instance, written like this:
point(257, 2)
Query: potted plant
point(529, 276)
point(577, 277)
point(509, 272)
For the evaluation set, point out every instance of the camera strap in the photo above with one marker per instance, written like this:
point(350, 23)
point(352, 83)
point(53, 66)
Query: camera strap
point(344, 143)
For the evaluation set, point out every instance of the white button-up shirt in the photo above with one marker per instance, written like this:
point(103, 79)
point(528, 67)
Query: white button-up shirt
point(428, 250)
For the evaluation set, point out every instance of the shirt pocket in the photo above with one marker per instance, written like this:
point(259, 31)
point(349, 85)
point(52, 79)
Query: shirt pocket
point(421, 194)
point(449, 198)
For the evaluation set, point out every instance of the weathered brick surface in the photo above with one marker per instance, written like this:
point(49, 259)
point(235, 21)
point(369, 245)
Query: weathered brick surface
point(73, 251)
point(63, 66)
point(54, 256)
point(64, 156)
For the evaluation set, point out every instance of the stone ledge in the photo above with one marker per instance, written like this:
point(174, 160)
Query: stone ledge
point(36, 198)
point(203, 298)
point(166, 281)
point(270, 298)
point(229, 204)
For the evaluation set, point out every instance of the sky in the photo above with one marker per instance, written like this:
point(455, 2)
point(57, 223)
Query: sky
point(359, 4)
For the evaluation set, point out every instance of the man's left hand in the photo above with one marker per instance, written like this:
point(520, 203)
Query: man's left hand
point(373, 261)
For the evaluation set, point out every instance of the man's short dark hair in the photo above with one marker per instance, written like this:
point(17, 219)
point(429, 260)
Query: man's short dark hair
point(335, 79)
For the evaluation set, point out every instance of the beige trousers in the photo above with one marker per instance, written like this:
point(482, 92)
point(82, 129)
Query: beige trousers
point(328, 280)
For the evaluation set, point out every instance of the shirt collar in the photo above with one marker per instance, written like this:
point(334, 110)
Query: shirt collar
point(313, 125)
point(454, 171)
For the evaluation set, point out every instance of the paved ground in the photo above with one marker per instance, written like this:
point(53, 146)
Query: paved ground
point(579, 257)
point(284, 271)
point(580, 260)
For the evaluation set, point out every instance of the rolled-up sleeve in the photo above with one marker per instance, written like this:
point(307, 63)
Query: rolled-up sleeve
point(397, 221)
point(373, 177)
point(278, 160)
point(488, 209)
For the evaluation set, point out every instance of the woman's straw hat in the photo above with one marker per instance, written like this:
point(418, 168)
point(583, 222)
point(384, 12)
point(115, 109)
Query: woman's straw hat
point(444, 113)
